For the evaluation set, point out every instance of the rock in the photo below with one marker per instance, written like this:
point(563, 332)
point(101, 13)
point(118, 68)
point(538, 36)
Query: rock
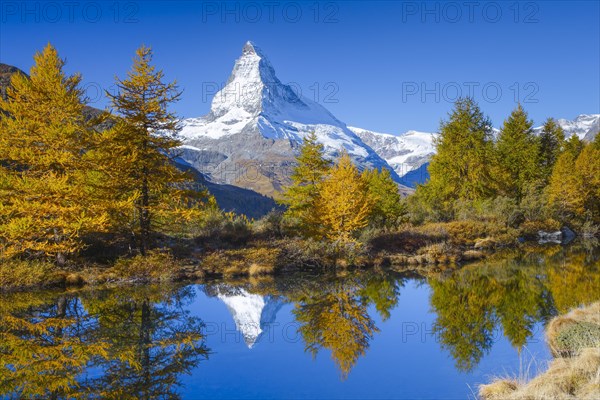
point(549, 237)
point(485, 243)
point(567, 234)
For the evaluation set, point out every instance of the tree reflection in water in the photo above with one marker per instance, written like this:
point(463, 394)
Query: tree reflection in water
point(514, 293)
point(334, 315)
point(118, 344)
point(137, 342)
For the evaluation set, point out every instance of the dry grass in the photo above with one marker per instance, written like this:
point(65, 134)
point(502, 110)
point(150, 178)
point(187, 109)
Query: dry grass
point(576, 376)
point(16, 274)
point(154, 267)
point(251, 261)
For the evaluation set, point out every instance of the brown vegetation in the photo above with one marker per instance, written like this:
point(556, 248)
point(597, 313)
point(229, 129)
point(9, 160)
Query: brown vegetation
point(575, 374)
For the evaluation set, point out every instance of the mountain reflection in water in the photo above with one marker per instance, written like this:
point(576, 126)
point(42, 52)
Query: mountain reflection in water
point(152, 341)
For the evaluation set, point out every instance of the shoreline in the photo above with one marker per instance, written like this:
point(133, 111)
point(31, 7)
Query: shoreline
point(405, 251)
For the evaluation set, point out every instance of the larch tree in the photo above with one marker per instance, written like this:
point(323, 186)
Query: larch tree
point(388, 206)
point(517, 155)
point(142, 144)
point(573, 145)
point(344, 203)
point(563, 188)
point(587, 171)
point(551, 142)
point(45, 204)
point(302, 194)
point(461, 167)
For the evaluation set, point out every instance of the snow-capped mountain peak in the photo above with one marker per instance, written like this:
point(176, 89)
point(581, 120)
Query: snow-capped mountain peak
point(257, 117)
point(253, 314)
point(585, 126)
point(254, 98)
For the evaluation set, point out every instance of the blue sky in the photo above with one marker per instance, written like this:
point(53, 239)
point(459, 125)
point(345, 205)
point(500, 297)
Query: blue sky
point(385, 66)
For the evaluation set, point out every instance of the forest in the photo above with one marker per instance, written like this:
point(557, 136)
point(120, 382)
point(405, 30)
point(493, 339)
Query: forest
point(98, 198)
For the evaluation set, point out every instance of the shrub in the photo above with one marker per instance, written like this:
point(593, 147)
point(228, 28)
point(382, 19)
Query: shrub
point(577, 336)
point(274, 225)
point(250, 261)
point(20, 273)
point(568, 334)
point(157, 265)
point(310, 252)
point(438, 253)
point(589, 229)
point(530, 229)
point(466, 232)
point(226, 227)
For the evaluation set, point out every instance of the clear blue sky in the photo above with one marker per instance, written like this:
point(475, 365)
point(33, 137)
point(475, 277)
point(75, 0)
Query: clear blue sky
point(373, 60)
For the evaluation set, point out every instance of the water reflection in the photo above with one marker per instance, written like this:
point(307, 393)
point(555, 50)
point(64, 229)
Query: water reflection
point(138, 342)
point(252, 313)
point(116, 344)
point(513, 292)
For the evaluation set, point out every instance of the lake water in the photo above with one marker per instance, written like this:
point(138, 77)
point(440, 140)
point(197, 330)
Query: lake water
point(358, 334)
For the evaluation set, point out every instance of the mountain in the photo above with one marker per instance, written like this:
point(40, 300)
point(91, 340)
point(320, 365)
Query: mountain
point(252, 314)
point(232, 198)
point(409, 153)
point(228, 197)
point(6, 71)
point(405, 153)
point(585, 126)
point(256, 125)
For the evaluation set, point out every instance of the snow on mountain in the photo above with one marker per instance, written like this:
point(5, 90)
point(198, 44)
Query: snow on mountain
point(409, 153)
point(405, 152)
point(257, 120)
point(251, 313)
point(585, 126)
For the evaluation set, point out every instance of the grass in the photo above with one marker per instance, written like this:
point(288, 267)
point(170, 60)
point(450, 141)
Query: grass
point(23, 274)
point(575, 372)
point(580, 328)
point(156, 266)
point(248, 261)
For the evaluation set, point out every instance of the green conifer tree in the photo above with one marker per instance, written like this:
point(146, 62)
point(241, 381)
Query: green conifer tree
point(388, 207)
point(516, 155)
point(551, 142)
point(461, 167)
point(302, 194)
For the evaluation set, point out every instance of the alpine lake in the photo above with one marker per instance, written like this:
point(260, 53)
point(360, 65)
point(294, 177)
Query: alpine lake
point(357, 334)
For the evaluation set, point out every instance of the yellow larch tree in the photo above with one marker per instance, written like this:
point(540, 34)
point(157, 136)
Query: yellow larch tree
point(344, 202)
point(302, 195)
point(45, 204)
point(140, 149)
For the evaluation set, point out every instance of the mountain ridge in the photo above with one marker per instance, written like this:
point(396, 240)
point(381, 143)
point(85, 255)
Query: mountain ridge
point(409, 153)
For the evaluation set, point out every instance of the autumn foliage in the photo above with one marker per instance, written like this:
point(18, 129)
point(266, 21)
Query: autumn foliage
point(62, 180)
